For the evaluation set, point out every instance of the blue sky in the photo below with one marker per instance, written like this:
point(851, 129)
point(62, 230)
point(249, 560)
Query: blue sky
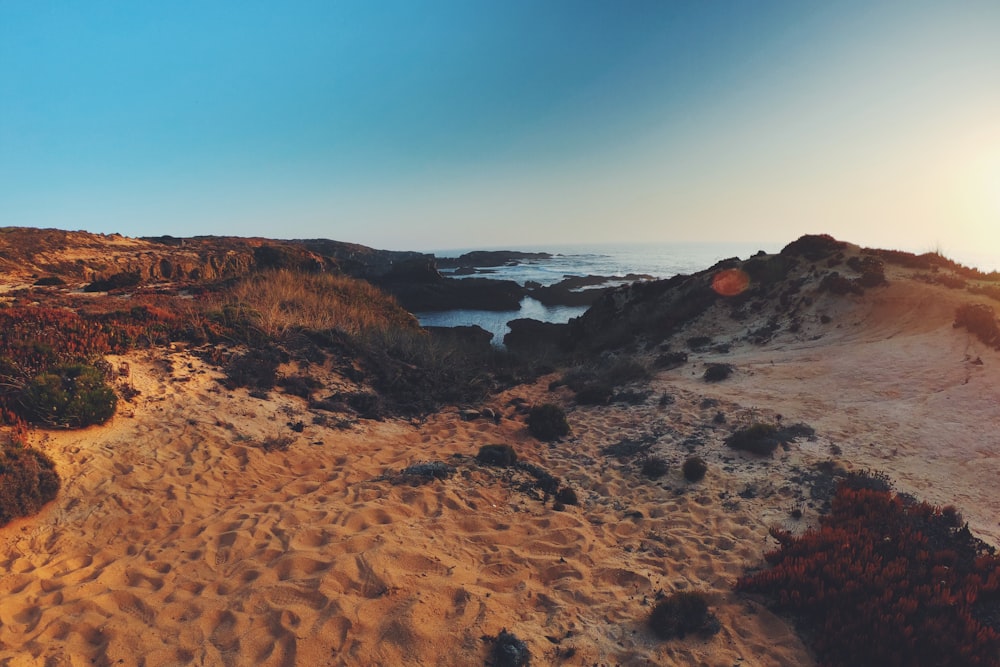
point(478, 124)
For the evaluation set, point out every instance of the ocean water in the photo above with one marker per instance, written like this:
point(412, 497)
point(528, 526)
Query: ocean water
point(657, 260)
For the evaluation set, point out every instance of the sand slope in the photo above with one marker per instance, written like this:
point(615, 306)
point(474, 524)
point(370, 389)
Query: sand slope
point(894, 385)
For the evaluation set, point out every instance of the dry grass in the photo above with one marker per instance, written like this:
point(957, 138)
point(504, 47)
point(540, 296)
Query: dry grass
point(277, 302)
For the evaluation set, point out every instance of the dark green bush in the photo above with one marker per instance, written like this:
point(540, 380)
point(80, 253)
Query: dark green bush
point(601, 378)
point(761, 439)
point(567, 496)
point(71, 396)
point(509, 651)
point(680, 614)
point(654, 467)
point(717, 372)
point(698, 343)
point(49, 281)
point(255, 369)
point(594, 393)
point(28, 480)
point(497, 455)
point(694, 469)
point(117, 281)
point(670, 360)
point(548, 422)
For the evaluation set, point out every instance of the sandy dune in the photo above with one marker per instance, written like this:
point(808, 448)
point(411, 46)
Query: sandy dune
point(895, 386)
point(178, 540)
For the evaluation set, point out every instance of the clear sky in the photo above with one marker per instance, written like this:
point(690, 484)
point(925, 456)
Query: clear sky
point(436, 124)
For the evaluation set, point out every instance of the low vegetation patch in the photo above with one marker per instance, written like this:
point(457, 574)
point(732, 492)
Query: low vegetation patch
point(694, 469)
point(670, 360)
point(423, 473)
point(71, 396)
point(886, 580)
point(497, 455)
point(509, 651)
point(654, 467)
point(28, 480)
point(681, 614)
point(981, 321)
point(763, 438)
point(548, 422)
point(595, 383)
point(717, 372)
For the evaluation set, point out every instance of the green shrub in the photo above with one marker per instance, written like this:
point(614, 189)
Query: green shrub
point(761, 439)
point(28, 480)
point(509, 651)
point(654, 467)
point(70, 396)
point(595, 383)
point(548, 422)
point(567, 496)
point(497, 455)
point(694, 469)
point(717, 372)
point(594, 394)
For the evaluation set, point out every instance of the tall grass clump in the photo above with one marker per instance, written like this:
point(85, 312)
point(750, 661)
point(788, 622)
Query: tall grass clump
point(274, 303)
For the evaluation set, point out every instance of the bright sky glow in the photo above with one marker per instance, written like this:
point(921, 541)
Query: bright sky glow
point(463, 123)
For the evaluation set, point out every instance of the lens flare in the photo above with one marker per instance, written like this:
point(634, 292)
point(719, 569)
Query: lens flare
point(730, 282)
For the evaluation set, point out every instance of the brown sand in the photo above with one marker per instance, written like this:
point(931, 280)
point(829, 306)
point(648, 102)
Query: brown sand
point(895, 386)
point(178, 540)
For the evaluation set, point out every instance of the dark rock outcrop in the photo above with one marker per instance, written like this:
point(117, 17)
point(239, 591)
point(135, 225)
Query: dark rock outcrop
point(457, 294)
point(527, 335)
point(487, 258)
point(465, 336)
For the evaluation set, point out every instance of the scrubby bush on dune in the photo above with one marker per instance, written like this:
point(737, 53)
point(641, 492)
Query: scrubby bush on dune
point(681, 614)
point(670, 360)
point(114, 282)
point(762, 438)
point(567, 496)
point(980, 320)
point(71, 396)
point(654, 467)
point(256, 369)
point(548, 422)
point(694, 469)
point(509, 651)
point(28, 480)
point(839, 285)
point(814, 247)
point(885, 580)
point(717, 372)
point(872, 270)
point(594, 383)
point(497, 455)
